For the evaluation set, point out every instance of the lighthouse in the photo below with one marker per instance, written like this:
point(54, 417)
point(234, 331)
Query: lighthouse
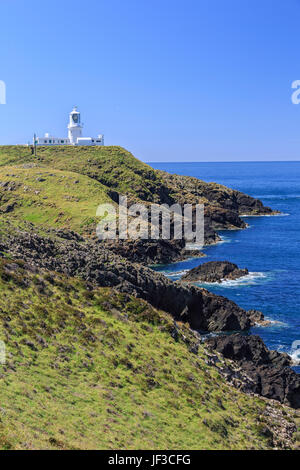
point(74, 126)
point(74, 134)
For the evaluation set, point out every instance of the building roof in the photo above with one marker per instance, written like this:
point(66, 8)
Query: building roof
point(75, 110)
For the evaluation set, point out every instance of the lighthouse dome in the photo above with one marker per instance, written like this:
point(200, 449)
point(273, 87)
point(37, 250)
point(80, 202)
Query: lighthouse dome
point(75, 110)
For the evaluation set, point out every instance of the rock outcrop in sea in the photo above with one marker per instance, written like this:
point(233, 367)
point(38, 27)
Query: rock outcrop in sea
point(214, 271)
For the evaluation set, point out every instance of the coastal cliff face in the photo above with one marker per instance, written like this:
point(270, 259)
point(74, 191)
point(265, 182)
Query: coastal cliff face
point(91, 261)
point(223, 205)
point(110, 331)
point(152, 251)
point(269, 371)
point(110, 172)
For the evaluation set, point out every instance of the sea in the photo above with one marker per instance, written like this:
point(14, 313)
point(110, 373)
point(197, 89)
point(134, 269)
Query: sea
point(269, 247)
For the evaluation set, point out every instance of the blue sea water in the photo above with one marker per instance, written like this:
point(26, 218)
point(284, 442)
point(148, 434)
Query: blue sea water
point(269, 248)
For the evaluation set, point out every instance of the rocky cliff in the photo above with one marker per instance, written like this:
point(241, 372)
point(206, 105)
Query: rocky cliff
point(269, 371)
point(72, 255)
point(85, 177)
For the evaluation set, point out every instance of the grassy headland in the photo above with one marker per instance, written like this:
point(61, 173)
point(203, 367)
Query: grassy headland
point(91, 367)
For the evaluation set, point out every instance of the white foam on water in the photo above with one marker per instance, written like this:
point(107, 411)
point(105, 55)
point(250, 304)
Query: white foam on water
point(272, 322)
point(175, 273)
point(224, 239)
point(295, 357)
point(247, 280)
point(194, 246)
point(282, 214)
point(283, 197)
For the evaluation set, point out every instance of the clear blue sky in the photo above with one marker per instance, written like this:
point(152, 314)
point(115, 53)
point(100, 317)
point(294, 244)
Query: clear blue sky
point(169, 80)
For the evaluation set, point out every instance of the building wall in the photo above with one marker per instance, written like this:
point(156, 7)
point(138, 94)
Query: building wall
point(52, 141)
point(74, 133)
point(90, 141)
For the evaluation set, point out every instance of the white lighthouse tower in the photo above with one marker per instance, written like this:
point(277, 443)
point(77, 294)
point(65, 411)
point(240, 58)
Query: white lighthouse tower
point(74, 134)
point(74, 126)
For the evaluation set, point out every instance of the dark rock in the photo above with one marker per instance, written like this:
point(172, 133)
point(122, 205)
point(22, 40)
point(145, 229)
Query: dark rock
point(223, 205)
point(31, 345)
point(223, 218)
point(69, 235)
point(151, 251)
point(269, 371)
point(9, 185)
point(8, 208)
point(215, 271)
point(93, 262)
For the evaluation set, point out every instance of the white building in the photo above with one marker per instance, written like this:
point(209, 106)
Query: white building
point(74, 134)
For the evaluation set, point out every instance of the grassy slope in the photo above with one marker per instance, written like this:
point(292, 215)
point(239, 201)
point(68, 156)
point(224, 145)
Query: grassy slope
point(45, 192)
point(95, 369)
point(103, 172)
point(51, 198)
point(115, 167)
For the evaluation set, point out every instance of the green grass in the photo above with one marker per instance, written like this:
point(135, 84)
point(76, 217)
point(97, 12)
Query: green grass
point(90, 367)
point(109, 170)
point(93, 368)
point(45, 192)
point(112, 166)
point(51, 198)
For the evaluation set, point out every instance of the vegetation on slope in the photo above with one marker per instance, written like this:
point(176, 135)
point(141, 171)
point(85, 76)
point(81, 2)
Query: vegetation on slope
point(114, 167)
point(121, 172)
point(92, 368)
point(104, 173)
point(52, 199)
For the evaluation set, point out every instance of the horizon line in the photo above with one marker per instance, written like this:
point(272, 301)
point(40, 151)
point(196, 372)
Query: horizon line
point(228, 161)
